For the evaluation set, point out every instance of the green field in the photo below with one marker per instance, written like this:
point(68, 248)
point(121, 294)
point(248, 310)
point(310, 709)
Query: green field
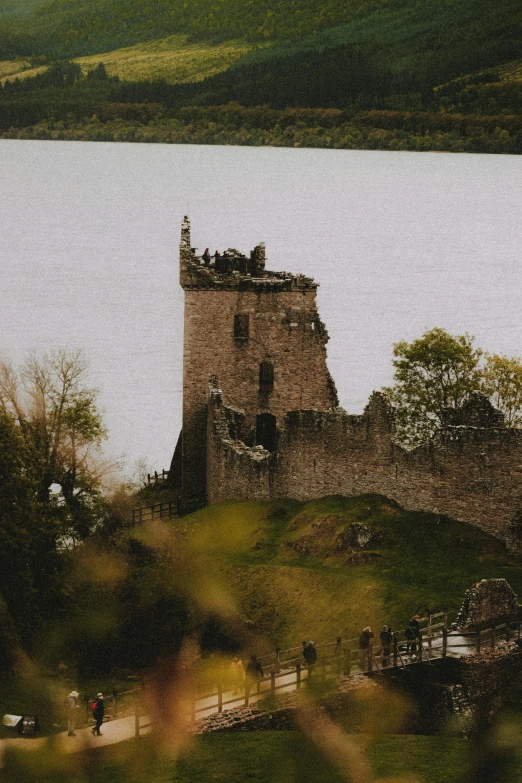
point(262, 757)
point(272, 573)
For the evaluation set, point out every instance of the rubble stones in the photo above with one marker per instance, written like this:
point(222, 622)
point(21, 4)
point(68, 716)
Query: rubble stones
point(355, 535)
point(485, 601)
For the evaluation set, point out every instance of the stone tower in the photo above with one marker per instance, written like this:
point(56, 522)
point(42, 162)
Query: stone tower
point(258, 333)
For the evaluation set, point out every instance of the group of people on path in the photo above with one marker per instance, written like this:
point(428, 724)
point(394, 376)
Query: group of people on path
point(412, 633)
point(239, 676)
point(72, 708)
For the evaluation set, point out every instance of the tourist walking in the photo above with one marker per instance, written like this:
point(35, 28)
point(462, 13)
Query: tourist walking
point(254, 672)
point(72, 707)
point(365, 646)
point(413, 634)
point(98, 711)
point(206, 257)
point(386, 637)
point(237, 674)
point(310, 656)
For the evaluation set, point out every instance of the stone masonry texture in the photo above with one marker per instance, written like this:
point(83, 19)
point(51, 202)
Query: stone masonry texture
point(471, 471)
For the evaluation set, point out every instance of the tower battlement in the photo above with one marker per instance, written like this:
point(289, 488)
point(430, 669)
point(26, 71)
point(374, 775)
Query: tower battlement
point(234, 270)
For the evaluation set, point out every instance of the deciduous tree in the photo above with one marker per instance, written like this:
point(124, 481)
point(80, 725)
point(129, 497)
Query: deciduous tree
point(502, 383)
point(57, 413)
point(435, 372)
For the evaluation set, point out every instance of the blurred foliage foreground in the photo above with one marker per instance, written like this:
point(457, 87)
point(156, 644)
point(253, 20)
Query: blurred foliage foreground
point(168, 603)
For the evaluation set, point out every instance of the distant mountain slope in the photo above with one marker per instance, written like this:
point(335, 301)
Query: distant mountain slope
point(74, 27)
point(429, 41)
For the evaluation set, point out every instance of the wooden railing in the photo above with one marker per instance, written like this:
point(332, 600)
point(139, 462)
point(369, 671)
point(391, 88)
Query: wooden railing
point(285, 669)
point(168, 508)
point(156, 478)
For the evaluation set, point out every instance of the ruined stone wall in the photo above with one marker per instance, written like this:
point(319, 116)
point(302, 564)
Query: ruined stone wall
point(240, 317)
point(234, 470)
point(472, 474)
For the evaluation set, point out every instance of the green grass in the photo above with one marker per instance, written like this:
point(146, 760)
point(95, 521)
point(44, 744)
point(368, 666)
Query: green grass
point(261, 757)
point(422, 561)
point(170, 58)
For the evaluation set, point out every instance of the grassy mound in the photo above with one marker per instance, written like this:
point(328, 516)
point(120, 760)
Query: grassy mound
point(294, 573)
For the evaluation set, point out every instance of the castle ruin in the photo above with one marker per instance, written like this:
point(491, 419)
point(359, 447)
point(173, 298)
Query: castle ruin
point(261, 418)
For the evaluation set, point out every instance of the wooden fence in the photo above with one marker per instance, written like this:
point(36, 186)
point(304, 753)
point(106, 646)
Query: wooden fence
point(156, 478)
point(286, 669)
point(169, 508)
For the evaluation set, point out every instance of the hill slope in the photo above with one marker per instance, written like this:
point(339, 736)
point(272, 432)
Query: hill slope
point(294, 576)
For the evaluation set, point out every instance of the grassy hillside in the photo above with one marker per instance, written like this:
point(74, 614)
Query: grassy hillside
point(291, 582)
point(419, 38)
point(441, 57)
point(170, 58)
point(17, 9)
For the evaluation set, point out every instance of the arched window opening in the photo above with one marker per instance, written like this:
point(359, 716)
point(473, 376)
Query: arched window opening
point(266, 377)
point(266, 431)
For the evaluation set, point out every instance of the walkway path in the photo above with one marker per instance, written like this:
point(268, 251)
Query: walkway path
point(113, 731)
point(121, 729)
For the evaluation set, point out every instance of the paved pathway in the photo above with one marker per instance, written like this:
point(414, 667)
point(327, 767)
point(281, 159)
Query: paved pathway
point(112, 732)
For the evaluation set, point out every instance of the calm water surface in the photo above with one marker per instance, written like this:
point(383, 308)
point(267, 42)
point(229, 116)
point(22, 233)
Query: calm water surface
point(400, 242)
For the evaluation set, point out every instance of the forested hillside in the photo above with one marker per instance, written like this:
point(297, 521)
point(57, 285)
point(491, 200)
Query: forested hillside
point(438, 59)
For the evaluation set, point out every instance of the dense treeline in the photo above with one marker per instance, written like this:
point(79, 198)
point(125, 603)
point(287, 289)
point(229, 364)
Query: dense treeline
point(259, 126)
point(65, 27)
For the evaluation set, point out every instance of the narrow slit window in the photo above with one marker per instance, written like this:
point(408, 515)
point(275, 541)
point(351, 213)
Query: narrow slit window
point(241, 325)
point(266, 377)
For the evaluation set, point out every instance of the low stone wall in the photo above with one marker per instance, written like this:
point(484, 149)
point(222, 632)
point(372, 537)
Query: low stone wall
point(471, 473)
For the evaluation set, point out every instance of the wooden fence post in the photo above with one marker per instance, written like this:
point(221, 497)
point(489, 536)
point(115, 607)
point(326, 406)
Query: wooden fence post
point(220, 697)
point(420, 648)
point(444, 642)
point(137, 719)
point(347, 662)
point(298, 675)
point(395, 650)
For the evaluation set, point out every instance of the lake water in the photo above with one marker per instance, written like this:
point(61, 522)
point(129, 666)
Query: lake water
point(399, 242)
